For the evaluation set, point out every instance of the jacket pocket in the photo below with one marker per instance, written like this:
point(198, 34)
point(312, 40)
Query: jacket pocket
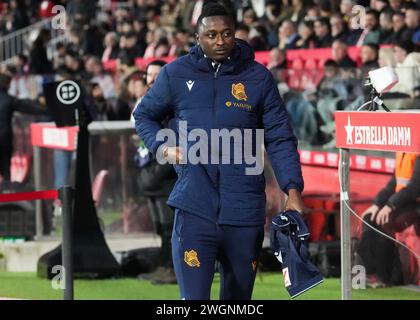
point(178, 224)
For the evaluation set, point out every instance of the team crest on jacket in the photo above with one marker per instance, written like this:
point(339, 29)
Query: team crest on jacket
point(190, 258)
point(238, 91)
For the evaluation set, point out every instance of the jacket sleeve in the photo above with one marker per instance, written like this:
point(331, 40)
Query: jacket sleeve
point(280, 141)
point(152, 110)
point(27, 106)
point(383, 196)
point(409, 194)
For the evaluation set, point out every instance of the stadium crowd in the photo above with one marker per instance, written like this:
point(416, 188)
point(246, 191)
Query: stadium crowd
point(387, 33)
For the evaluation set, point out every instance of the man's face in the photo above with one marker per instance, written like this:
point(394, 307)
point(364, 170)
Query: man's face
point(152, 74)
point(339, 51)
point(397, 22)
point(400, 54)
point(371, 22)
point(412, 18)
point(216, 36)
point(367, 54)
point(320, 29)
point(336, 25)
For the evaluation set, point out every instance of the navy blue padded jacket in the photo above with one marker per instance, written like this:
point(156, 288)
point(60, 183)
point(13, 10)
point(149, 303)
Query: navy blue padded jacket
point(192, 90)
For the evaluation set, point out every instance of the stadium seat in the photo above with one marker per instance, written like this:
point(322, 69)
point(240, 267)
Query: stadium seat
point(311, 64)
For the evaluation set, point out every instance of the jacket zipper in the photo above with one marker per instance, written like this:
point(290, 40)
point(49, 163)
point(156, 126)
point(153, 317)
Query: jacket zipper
point(216, 76)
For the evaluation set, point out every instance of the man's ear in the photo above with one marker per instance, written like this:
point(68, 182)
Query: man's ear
point(197, 38)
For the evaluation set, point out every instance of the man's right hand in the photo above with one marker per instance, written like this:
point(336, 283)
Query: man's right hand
point(173, 154)
point(373, 209)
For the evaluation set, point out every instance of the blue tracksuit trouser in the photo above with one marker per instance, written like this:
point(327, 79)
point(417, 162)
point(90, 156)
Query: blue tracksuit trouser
point(198, 243)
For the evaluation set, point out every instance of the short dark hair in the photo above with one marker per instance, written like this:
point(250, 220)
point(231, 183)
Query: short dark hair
point(331, 63)
point(324, 21)
point(373, 46)
point(407, 46)
point(242, 27)
point(212, 9)
point(373, 12)
point(159, 63)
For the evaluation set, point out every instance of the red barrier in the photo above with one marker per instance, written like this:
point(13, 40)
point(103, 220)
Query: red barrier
point(29, 196)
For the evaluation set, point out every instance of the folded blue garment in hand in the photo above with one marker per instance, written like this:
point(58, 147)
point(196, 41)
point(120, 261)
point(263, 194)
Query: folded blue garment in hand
point(289, 237)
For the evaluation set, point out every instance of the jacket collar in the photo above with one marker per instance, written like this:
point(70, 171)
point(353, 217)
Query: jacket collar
point(242, 55)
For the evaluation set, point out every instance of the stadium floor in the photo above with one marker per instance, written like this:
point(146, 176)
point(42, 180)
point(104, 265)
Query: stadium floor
point(268, 286)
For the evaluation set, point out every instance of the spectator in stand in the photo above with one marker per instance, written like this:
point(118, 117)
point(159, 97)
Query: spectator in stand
point(180, 43)
point(313, 13)
point(371, 32)
point(287, 35)
point(107, 109)
point(325, 8)
point(369, 55)
point(307, 38)
point(95, 70)
point(379, 5)
point(278, 65)
point(242, 32)
point(58, 56)
point(111, 47)
point(412, 17)
point(385, 22)
point(257, 38)
point(386, 58)
point(249, 18)
point(398, 27)
point(129, 47)
point(407, 68)
point(339, 29)
point(346, 7)
point(152, 39)
point(331, 92)
point(299, 11)
point(286, 12)
point(137, 86)
point(322, 33)
point(162, 48)
point(125, 67)
point(19, 14)
point(38, 60)
point(74, 66)
point(340, 55)
point(395, 5)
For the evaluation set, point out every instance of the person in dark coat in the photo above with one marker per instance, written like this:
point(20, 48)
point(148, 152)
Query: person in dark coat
point(8, 105)
point(219, 205)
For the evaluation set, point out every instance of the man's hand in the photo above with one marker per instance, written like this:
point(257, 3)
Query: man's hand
point(373, 209)
point(173, 154)
point(383, 215)
point(294, 201)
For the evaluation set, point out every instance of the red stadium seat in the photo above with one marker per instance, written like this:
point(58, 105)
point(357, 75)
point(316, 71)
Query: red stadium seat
point(311, 64)
point(297, 64)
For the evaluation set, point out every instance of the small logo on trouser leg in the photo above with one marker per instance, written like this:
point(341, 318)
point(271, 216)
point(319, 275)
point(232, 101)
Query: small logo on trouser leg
point(254, 265)
point(191, 258)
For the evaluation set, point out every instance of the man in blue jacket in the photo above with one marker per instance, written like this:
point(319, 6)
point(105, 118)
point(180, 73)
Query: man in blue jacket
point(219, 207)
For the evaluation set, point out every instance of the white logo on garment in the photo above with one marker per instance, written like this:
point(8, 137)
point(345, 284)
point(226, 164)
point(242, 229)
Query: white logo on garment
point(190, 84)
point(68, 92)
